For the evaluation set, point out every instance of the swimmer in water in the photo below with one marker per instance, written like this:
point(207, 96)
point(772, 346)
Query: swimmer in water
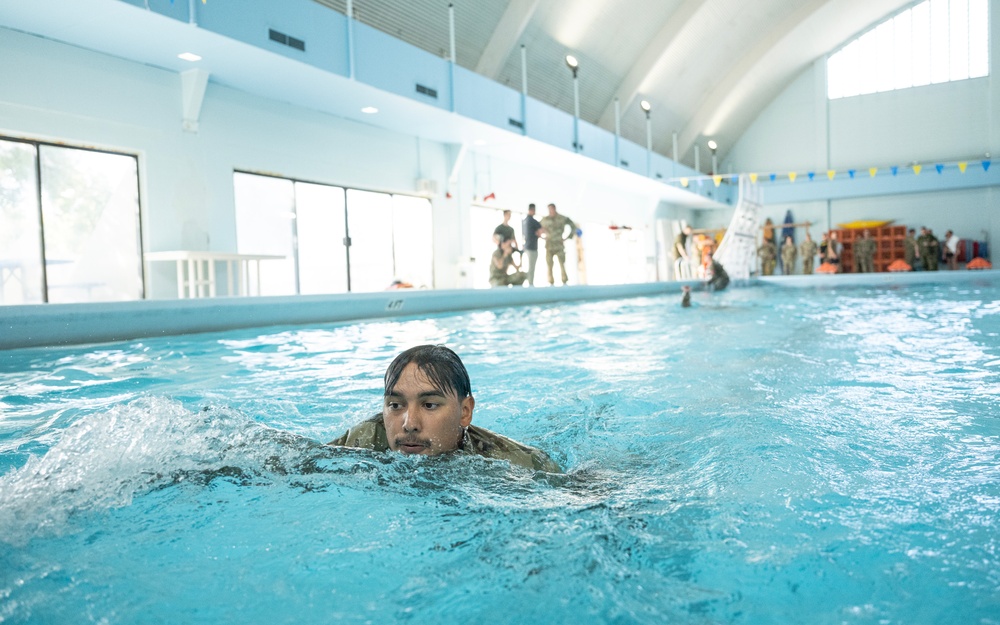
point(686, 298)
point(427, 410)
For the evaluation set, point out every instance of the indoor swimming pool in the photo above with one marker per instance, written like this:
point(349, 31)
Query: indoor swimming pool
point(769, 455)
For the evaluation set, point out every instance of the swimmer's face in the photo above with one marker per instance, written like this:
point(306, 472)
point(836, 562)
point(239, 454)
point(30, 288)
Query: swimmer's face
point(421, 418)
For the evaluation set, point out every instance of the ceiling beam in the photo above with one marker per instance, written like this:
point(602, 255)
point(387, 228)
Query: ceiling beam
point(735, 86)
point(656, 53)
point(505, 36)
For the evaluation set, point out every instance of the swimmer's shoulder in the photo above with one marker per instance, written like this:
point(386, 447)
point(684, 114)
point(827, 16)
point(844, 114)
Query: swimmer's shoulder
point(369, 434)
point(492, 445)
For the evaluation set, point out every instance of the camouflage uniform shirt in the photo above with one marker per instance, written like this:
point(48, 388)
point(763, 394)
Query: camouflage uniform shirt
point(554, 229)
point(370, 434)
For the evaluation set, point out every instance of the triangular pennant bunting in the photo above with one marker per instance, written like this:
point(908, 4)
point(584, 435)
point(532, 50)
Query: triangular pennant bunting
point(792, 175)
point(916, 169)
point(753, 178)
point(962, 166)
point(811, 175)
point(831, 173)
point(872, 171)
point(939, 167)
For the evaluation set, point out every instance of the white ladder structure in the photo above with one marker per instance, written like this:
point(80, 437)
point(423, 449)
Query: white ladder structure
point(738, 250)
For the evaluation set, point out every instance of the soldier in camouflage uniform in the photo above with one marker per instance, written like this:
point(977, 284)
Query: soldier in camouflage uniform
point(768, 254)
point(427, 410)
point(910, 256)
point(554, 229)
point(788, 254)
point(864, 253)
point(930, 249)
point(808, 250)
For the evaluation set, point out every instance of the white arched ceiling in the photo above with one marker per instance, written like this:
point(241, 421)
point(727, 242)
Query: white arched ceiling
point(707, 66)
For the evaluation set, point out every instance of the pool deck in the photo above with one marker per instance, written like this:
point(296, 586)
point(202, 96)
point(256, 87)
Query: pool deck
point(43, 325)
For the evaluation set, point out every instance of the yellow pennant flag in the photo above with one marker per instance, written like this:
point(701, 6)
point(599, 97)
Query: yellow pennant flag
point(684, 182)
point(962, 166)
point(830, 173)
point(753, 178)
point(872, 171)
point(717, 179)
point(792, 175)
point(916, 169)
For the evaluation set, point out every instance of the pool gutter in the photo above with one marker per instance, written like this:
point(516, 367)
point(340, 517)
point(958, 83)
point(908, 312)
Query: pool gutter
point(42, 325)
point(75, 324)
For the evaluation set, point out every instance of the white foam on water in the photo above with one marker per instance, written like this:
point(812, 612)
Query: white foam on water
point(106, 459)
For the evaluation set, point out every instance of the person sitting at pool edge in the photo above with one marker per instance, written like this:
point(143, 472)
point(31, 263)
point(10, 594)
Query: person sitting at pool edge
point(427, 409)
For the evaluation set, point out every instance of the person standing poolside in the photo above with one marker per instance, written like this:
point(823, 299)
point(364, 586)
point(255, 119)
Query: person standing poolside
point(930, 249)
point(864, 253)
point(427, 410)
point(951, 250)
point(834, 250)
point(808, 250)
point(910, 256)
point(500, 263)
point(679, 252)
point(505, 231)
point(768, 253)
point(529, 231)
point(788, 254)
point(554, 233)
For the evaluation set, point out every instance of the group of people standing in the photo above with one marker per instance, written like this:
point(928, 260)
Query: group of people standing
point(828, 250)
point(923, 252)
point(552, 228)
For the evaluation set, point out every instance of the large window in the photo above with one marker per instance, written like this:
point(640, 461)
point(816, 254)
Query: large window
point(610, 256)
point(69, 225)
point(310, 225)
point(932, 42)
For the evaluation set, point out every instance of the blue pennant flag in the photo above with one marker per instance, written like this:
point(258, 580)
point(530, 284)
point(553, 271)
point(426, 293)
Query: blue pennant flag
point(850, 172)
point(986, 165)
point(939, 167)
point(811, 175)
point(895, 170)
point(773, 176)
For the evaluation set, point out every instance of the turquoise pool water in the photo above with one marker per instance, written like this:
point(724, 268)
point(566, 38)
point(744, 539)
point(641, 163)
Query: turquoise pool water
point(767, 456)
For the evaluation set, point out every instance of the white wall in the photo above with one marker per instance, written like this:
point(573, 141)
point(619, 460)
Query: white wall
point(801, 130)
point(60, 93)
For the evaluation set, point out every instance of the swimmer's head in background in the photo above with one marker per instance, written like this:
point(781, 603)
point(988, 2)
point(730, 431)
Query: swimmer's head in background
point(442, 367)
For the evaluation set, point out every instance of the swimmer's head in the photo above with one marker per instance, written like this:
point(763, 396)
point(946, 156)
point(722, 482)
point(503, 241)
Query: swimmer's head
point(427, 401)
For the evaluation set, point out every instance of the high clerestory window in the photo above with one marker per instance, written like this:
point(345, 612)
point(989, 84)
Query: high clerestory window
point(932, 42)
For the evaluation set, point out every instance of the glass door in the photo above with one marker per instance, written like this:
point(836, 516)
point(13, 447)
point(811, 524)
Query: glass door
point(265, 224)
point(413, 241)
point(21, 280)
point(90, 216)
point(369, 225)
point(321, 229)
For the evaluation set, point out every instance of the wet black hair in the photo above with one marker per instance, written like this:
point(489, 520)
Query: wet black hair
point(442, 367)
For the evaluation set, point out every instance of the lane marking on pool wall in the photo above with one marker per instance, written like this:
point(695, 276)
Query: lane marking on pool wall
point(394, 304)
